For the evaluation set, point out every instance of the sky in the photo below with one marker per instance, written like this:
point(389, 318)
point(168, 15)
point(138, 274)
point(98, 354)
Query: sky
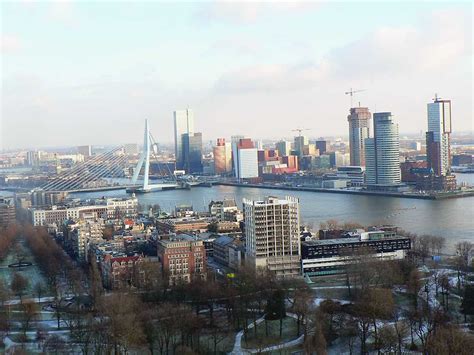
point(90, 72)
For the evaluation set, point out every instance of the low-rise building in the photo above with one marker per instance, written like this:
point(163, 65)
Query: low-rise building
point(218, 209)
point(179, 225)
point(7, 212)
point(121, 271)
point(330, 256)
point(228, 251)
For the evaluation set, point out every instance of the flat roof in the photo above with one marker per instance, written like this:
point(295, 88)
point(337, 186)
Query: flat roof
point(349, 240)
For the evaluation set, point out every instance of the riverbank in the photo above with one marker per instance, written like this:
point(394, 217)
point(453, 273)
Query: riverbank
point(434, 196)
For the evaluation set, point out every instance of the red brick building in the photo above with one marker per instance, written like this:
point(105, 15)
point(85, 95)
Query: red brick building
point(121, 271)
point(182, 259)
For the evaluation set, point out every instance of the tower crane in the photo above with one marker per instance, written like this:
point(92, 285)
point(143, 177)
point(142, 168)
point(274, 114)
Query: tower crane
point(352, 92)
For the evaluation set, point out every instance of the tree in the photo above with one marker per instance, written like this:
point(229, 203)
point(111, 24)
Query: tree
point(450, 339)
point(30, 312)
point(121, 314)
point(414, 285)
point(39, 288)
point(467, 305)
point(275, 308)
point(18, 285)
point(387, 339)
point(54, 344)
point(316, 343)
point(463, 251)
point(4, 292)
point(302, 301)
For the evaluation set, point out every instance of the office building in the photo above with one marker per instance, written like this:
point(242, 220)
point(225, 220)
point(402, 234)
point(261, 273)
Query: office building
point(222, 157)
point(192, 152)
point(336, 159)
point(245, 159)
point(85, 150)
point(438, 148)
point(300, 143)
point(462, 159)
point(272, 235)
point(183, 124)
point(331, 256)
point(284, 148)
point(382, 153)
point(359, 130)
point(321, 146)
point(33, 158)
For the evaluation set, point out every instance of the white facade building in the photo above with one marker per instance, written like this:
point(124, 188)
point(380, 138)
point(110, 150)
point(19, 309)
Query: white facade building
point(382, 153)
point(439, 123)
point(272, 235)
point(247, 163)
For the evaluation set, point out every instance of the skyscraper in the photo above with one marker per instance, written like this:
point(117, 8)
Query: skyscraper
point(359, 129)
point(222, 157)
point(284, 148)
point(85, 150)
point(382, 153)
point(300, 143)
point(183, 124)
point(272, 235)
point(321, 145)
point(192, 152)
point(244, 155)
point(438, 148)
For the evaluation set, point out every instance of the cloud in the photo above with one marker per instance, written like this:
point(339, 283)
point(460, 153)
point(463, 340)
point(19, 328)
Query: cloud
point(9, 43)
point(271, 77)
point(438, 44)
point(235, 46)
point(242, 12)
point(441, 40)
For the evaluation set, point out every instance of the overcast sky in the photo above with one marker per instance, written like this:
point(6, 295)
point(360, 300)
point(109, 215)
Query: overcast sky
point(91, 72)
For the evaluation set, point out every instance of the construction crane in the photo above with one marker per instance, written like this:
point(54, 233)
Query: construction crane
point(352, 92)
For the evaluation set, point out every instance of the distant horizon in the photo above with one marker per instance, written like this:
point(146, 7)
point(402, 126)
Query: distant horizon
point(205, 141)
point(90, 72)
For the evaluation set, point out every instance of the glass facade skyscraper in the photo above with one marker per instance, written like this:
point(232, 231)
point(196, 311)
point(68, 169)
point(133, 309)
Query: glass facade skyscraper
point(183, 124)
point(382, 153)
point(438, 147)
point(192, 152)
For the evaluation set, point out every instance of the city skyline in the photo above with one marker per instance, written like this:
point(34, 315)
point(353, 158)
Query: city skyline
point(246, 71)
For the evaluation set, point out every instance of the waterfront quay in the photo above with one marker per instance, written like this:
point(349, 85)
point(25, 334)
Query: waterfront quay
point(433, 195)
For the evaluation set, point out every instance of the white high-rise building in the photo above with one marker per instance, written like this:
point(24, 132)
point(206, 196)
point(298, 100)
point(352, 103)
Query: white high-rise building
point(272, 235)
point(359, 129)
point(382, 153)
point(438, 136)
point(183, 124)
point(245, 158)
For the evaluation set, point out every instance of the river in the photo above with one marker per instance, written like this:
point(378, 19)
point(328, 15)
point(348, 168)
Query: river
point(451, 218)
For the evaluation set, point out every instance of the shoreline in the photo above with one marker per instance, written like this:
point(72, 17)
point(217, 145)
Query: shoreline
point(438, 196)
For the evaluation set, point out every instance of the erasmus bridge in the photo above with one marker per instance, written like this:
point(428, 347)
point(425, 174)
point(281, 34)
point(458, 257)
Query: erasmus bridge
point(107, 171)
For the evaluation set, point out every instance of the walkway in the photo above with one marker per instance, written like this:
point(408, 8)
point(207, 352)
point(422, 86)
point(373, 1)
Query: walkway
point(237, 350)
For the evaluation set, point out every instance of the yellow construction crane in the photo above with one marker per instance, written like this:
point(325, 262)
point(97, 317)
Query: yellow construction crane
point(352, 92)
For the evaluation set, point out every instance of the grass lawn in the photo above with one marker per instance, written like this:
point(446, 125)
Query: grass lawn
point(261, 340)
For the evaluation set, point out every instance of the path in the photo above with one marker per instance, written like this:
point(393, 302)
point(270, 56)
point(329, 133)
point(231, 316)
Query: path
point(237, 350)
